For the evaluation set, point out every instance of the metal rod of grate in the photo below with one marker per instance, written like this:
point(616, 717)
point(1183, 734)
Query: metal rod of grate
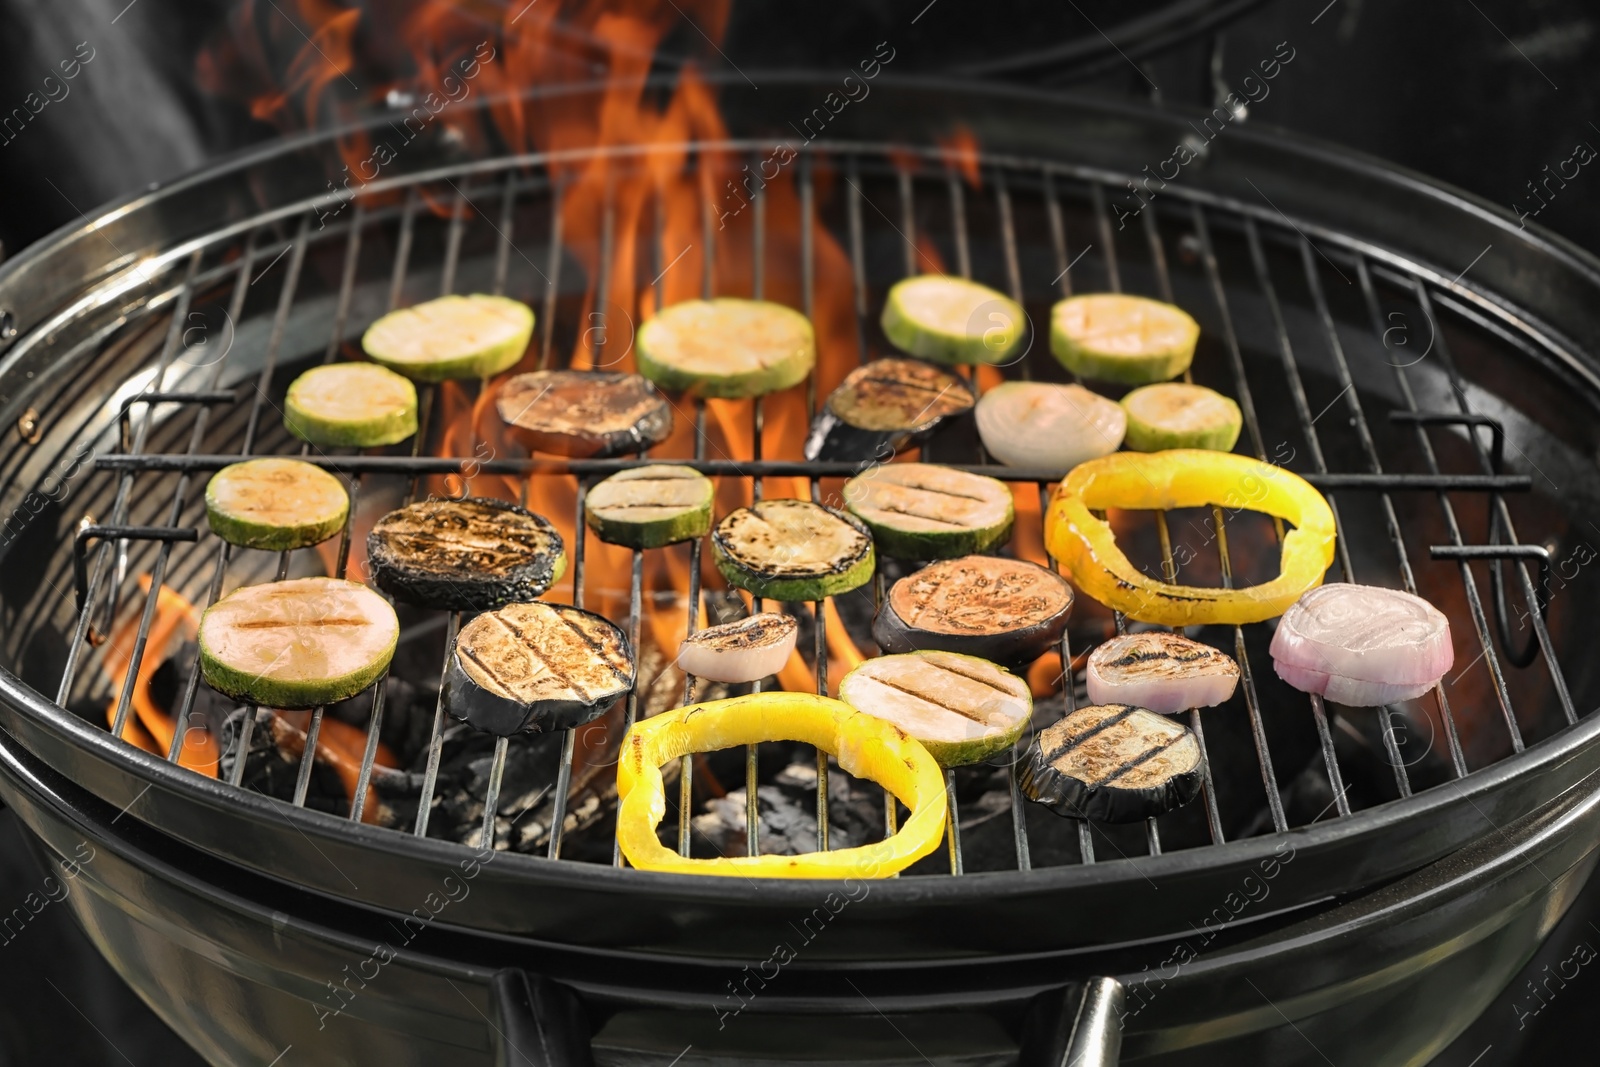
point(1007, 178)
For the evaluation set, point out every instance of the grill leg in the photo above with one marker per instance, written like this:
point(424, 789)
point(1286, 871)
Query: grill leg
point(537, 1023)
point(1076, 1026)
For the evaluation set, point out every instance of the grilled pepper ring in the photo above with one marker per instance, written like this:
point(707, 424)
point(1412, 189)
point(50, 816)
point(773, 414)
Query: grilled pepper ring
point(1186, 478)
point(867, 747)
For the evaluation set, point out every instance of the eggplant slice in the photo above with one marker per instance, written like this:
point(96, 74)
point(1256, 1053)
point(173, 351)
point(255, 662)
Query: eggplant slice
point(536, 668)
point(793, 550)
point(464, 555)
point(1006, 610)
point(885, 406)
point(1112, 763)
point(585, 414)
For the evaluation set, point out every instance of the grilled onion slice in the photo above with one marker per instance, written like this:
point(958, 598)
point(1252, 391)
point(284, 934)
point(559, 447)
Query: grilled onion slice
point(1052, 427)
point(1007, 610)
point(355, 405)
point(475, 336)
point(726, 347)
point(952, 320)
point(963, 709)
point(276, 504)
point(922, 511)
point(743, 651)
point(1112, 763)
point(585, 413)
point(647, 507)
point(1111, 337)
point(1166, 673)
point(464, 555)
point(792, 550)
point(884, 406)
point(535, 668)
point(297, 644)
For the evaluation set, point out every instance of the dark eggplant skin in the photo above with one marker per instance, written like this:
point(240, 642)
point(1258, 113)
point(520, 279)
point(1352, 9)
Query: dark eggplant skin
point(908, 400)
point(1011, 648)
point(585, 414)
point(403, 560)
point(466, 700)
point(1101, 801)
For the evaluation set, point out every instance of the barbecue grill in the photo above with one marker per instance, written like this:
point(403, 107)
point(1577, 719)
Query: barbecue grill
point(1356, 882)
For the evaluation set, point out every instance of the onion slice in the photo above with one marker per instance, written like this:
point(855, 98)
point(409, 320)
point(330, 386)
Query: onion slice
point(743, 651)
point(1362, 645)
point(1049, 427)
point(1163, 672)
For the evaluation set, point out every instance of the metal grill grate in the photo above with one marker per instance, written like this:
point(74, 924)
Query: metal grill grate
point(1066, 203)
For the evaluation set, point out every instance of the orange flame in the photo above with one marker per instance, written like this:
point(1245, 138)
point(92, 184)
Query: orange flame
point(151, 728)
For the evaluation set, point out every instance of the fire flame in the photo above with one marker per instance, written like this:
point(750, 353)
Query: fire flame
point(150, 727)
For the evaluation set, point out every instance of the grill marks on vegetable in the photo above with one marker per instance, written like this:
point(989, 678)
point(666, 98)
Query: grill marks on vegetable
point(1113, 763)
point(1006, 610)
point(585, 413)
point(792, 550)
point(464, 555)
point(963, 709)
point(741, 651)
point(1166, 673)
point(647, 507)
point(921, 511)
point(883, 406)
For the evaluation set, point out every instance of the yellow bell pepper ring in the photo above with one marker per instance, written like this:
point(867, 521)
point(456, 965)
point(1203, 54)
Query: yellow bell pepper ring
point(1185, 478)
point(866, 746)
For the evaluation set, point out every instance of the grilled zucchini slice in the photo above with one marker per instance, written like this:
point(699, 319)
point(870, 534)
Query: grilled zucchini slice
point(464, 555)
point(884, 406)
point(963, 709)
point(1007, 610)
point(587, 414)
point(952, 320)
point(726, 347)
point(297, 644)
point(1133, 340)
point(792, 550)
point(276, 504)
point(351, 405)
point(647, 507)
point(536, 668)
point(922, 511)
point(1112, 763)
point(1179, 415)
point(475, 336)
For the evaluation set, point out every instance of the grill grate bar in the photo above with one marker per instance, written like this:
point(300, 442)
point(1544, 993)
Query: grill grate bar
point(430, 776)
point(553, 282)
point(402, 250)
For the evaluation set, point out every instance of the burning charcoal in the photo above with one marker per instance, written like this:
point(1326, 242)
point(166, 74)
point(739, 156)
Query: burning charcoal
point(788, 815)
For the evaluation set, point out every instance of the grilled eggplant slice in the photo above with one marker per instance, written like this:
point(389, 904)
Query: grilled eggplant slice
point(885, 406)
point(922, 511)
point(1112, 763)
point(647, 507)
point(743, 651)
point(297, 644)
point(356, 405)
point(793, 550)
point(1180, 415)
point(727, 347)
point(952, 320)
point(276, 504)
point(464, 555)
point(536, 668)
point(475, 336)
point(963, 709)
point(1167, 673)
point(1006, 610)
point(587, 414)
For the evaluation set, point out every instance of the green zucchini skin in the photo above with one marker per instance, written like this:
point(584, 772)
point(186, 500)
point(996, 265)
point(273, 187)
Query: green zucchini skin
point(690, 522)
point(991, 334)
point(1149, 432)
point(839, 575)
point(923, 484)
point(946, 753)
point(309, 528)
point(482, 362)
point(387, 427)
point(665, 331)
point(1158, 363)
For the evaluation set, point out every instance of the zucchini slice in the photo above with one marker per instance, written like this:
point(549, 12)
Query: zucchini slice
point(743, 651)
point(1179, 415)
point(1112, 763)
point(963, 709)
point(276, 504)
point(1133, 340)
point(647, 507)
point(536, 668)
point(587, 414)
point(1166, 673)
point(921, 511)
point(355, 405)
point(792, 550)
point(952, 320)
point(1048, 426)
point(884, 406)
point(475, 336)
point(464, 555)
point(1007, 610)
point(726, 347)
point(297, 644)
